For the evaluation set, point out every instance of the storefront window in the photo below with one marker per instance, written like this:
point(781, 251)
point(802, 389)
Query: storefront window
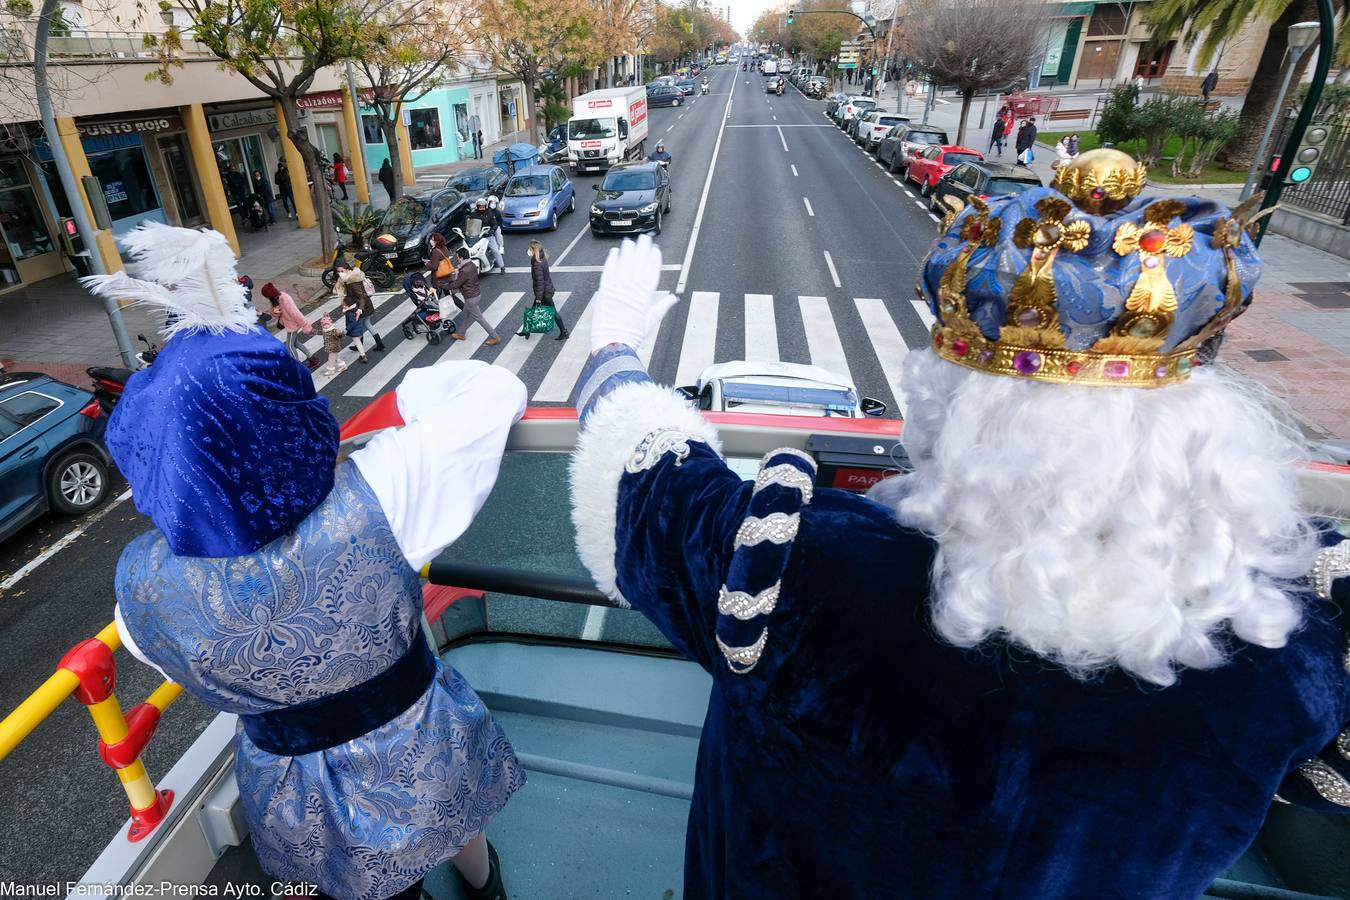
point(22, 226)
point(238, 158)
point(425, 130)
point(128, 186)
point(370, 127)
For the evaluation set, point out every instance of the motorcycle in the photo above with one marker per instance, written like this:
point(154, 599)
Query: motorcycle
point(371, 261)
point(478, 250)
point(554, 150)
point(111, 381)
point(703, 89)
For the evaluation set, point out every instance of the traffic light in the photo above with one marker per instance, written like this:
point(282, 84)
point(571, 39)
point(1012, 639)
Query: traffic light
point(1309, 153)
point(791, 13)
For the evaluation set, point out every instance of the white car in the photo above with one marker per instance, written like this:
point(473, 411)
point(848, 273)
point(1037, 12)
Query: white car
point(872, 129)
point(854, 107)
point(779, 388)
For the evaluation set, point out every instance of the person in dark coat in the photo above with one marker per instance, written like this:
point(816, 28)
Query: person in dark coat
point(1209, 84)
point(466, 282)
point(996, 134)
point(237, 185)
point(354, 287)
point(1026, 139)
point(387, 178)
point(264, 191)
point(543, 289)
point(283, 182)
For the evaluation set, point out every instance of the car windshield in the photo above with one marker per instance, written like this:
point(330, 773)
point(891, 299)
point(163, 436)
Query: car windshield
point(590, 129)
point(469, 181)
point(405, 214)
point(952, 159)
point(1009, 186)
point(926, 137)
point(527, 186)
point(628, 181)
point(864, 104)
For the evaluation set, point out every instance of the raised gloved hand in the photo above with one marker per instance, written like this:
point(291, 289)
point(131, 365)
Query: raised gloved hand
point(628, 306)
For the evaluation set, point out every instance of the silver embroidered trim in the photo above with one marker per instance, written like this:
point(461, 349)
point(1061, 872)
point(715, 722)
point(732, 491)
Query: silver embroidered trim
point(1326, 781)
point(1346, 660)
point(1343, 743)
point(777, 528)
point(1331, 563)
point(656, 445)
point(744, 606)
point(788, 476)
point(745, 657)
point(789, 451)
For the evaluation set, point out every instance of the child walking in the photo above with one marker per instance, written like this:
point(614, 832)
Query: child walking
point(356, 325)
point(332, 345)
point(543, 289)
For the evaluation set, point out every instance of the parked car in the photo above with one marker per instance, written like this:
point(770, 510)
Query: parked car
point(904, 141)
point(480, 181)
point(536, 197)
point(687, 86)
point(983, 179)
point(852, 109)
point(833, 102)
point(816, 86)
point(413, 219)
point(663, 95)
point(785, 389)
point(874, 126)
point(931, 163)
point(51, 450)
point(633, 197)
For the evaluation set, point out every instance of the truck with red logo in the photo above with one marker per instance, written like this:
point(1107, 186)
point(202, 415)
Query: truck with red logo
point(606, 128)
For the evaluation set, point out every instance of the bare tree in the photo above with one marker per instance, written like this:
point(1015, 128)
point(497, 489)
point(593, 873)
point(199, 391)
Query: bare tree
point(974, 45)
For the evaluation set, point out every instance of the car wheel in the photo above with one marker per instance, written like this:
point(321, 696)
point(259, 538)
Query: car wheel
point(675, 102)
point(553, 221)
point(926, 190)
point(77, 483)
point(572, 204)
point(658, 221)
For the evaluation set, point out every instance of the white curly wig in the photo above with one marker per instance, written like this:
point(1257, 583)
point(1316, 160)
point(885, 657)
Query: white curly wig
point(1099, 526)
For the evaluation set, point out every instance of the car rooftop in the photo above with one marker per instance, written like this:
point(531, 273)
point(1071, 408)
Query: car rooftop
point(1006, 170)
point(538, 169)
point(15, 379)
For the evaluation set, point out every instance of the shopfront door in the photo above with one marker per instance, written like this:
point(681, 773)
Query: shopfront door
point(329, 142)
point(238, 158)
point(27, 249)
point(462, 130)
point(173, 150)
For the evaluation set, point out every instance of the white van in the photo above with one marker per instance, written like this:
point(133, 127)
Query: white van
point(607, 127)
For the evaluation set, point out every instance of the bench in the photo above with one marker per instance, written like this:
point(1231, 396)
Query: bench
point(1066, 114)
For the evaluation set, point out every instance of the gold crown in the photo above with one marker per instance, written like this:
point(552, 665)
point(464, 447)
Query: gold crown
point(1031, 342)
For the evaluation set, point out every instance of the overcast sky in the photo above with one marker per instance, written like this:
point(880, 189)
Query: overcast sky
point(744, 12)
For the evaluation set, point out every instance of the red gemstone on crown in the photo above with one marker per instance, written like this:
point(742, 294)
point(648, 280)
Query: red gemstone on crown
point(960, 347)
point(975, 229)
point(1098, 193)
point(1116, 368)
point(1073, 367)
point(1152, 240)
point(937, 339)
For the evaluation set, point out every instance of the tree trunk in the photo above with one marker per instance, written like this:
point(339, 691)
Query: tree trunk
point(1259, 106)
point(531, 129)
point(385, 113)
point(314, 170)
point(967, 95)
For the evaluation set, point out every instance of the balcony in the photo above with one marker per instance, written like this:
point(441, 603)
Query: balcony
point(16, 46)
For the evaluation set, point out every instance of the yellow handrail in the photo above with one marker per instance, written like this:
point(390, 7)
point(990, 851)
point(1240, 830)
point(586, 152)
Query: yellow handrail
point(37, 706)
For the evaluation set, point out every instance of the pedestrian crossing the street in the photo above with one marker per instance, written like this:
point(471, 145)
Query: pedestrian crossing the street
point(863, 339)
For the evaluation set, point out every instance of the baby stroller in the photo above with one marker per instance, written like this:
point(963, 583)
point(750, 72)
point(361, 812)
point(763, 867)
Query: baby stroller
point(426, 317)
point(256, 212)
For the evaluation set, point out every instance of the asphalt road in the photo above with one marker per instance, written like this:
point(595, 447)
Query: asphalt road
point(795, 247)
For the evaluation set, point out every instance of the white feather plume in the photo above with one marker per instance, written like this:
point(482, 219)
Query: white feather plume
point(189, 273)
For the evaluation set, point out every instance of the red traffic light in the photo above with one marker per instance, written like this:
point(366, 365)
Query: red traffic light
point(70, 227)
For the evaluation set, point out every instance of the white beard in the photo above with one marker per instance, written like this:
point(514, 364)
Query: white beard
point(1103, 526)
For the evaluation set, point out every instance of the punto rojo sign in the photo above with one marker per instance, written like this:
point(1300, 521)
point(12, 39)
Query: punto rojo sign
point(141, 125)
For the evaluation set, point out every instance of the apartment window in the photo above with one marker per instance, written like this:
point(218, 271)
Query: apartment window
point(1153, 61)
point(425, 128)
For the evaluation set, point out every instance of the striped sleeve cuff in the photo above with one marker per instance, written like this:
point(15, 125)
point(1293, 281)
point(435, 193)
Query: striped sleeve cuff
point(606, 370)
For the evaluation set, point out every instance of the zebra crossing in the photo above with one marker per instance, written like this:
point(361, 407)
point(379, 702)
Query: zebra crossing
point(860, 338)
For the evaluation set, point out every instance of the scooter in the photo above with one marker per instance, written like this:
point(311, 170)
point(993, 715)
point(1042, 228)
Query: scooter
point(478, 250)
point(371, 261)
point(111, 381)
point(703, 89)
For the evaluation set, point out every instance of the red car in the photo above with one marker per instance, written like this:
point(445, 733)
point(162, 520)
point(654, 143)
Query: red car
point(931, 163)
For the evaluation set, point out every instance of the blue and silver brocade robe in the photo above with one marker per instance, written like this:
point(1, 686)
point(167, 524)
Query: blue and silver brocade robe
point(311, 614)
point(860, 756)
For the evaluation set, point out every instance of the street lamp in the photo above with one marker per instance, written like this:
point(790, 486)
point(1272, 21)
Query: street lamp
point(1299, 37)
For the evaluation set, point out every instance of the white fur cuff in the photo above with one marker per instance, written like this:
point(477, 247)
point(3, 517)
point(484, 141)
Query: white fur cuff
point(613, 430)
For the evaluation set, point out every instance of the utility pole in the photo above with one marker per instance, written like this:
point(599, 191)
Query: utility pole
point(88, 234)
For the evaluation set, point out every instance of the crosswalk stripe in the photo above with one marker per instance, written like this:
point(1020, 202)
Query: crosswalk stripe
point(925, 314)
point(315, 344)
point(388, 328)
point(474, 335)
point(518, 349)
point(700, 337)
point(566, 369)
point(761, 331)
point(822, 338)
point(890, 347)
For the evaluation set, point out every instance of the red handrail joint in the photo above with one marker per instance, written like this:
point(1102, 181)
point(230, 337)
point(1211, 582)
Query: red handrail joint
point(142, 721)
point(91, 661)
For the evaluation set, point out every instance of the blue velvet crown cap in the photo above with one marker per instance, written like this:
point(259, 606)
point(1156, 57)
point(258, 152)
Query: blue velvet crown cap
point(225, 442)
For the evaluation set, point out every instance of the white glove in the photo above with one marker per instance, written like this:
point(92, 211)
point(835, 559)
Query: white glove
point(628, 306)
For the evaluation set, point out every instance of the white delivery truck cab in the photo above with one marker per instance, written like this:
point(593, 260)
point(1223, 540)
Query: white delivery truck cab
point(769, 67)
point(607, 127)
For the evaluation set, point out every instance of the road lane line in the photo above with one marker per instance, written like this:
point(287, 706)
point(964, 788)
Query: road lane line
point(700, 337)
point(834, 274)
point(919, 204)
point(517, 349)
point(668, 131)
point(781, 138)
point(567, 365)
point(822, 337)
point(794, 171)
point(890, 347)
point(27, 568)
point(680, 116)
point(925, 314)
point(775, 118)
point(934, 217)
point(703, 200)
point(554, 263)
point(809, 210)
point(761, 331)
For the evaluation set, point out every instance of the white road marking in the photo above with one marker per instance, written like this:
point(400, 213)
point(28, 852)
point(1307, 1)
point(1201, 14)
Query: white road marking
point(680, 116)
point(834, 274)
point(562, 375)
point(595, 623)
point(668, 131)
point(775, 118)
point(806, 125)
point(809, 210)
point(761, 330)
point(934, 217)
point(890, 347)
point(700, 337)
point(794, 171)
point(822, 338)
point(919, 204)
point(518, 349)
point(554, 263)
point(27, 568)
point(781, 138)
point(703, 200)
point(925, 314)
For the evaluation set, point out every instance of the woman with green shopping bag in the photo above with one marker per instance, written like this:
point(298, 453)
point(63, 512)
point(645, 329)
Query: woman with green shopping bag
point(542, 316)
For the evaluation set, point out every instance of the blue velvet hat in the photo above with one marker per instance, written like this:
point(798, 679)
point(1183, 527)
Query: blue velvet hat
point(1087, 283)
point(224, 439)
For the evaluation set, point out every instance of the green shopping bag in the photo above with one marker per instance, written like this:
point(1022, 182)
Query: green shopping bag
point(539, 319)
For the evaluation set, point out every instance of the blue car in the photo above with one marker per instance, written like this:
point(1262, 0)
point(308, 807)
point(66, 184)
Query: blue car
point(51, 450)
point(536, 197)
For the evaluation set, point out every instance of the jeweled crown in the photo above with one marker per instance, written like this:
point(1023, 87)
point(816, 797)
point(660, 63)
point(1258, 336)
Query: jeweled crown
point(1088, 284)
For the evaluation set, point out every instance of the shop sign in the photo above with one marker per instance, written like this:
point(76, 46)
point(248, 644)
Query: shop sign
point(114, 192)
point(147, 125)
point(244, 118)
point(330, 99)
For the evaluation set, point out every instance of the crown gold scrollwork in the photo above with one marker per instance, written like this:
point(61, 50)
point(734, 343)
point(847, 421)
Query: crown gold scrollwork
point(1032, 319)
point(1227, 237)
point(978, 230)
point(1152, 301)
point(1101, 181)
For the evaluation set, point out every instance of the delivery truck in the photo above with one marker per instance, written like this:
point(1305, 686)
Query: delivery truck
point(607, 127)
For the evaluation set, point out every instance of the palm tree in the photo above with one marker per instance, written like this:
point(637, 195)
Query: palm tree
point(1214, 22)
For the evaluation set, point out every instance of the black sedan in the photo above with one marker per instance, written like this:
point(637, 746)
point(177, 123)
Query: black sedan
point(983, 179)
point(478, 182)
point(51, 450)
point(663, 95)
point(412, 220)
point(632, 198)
